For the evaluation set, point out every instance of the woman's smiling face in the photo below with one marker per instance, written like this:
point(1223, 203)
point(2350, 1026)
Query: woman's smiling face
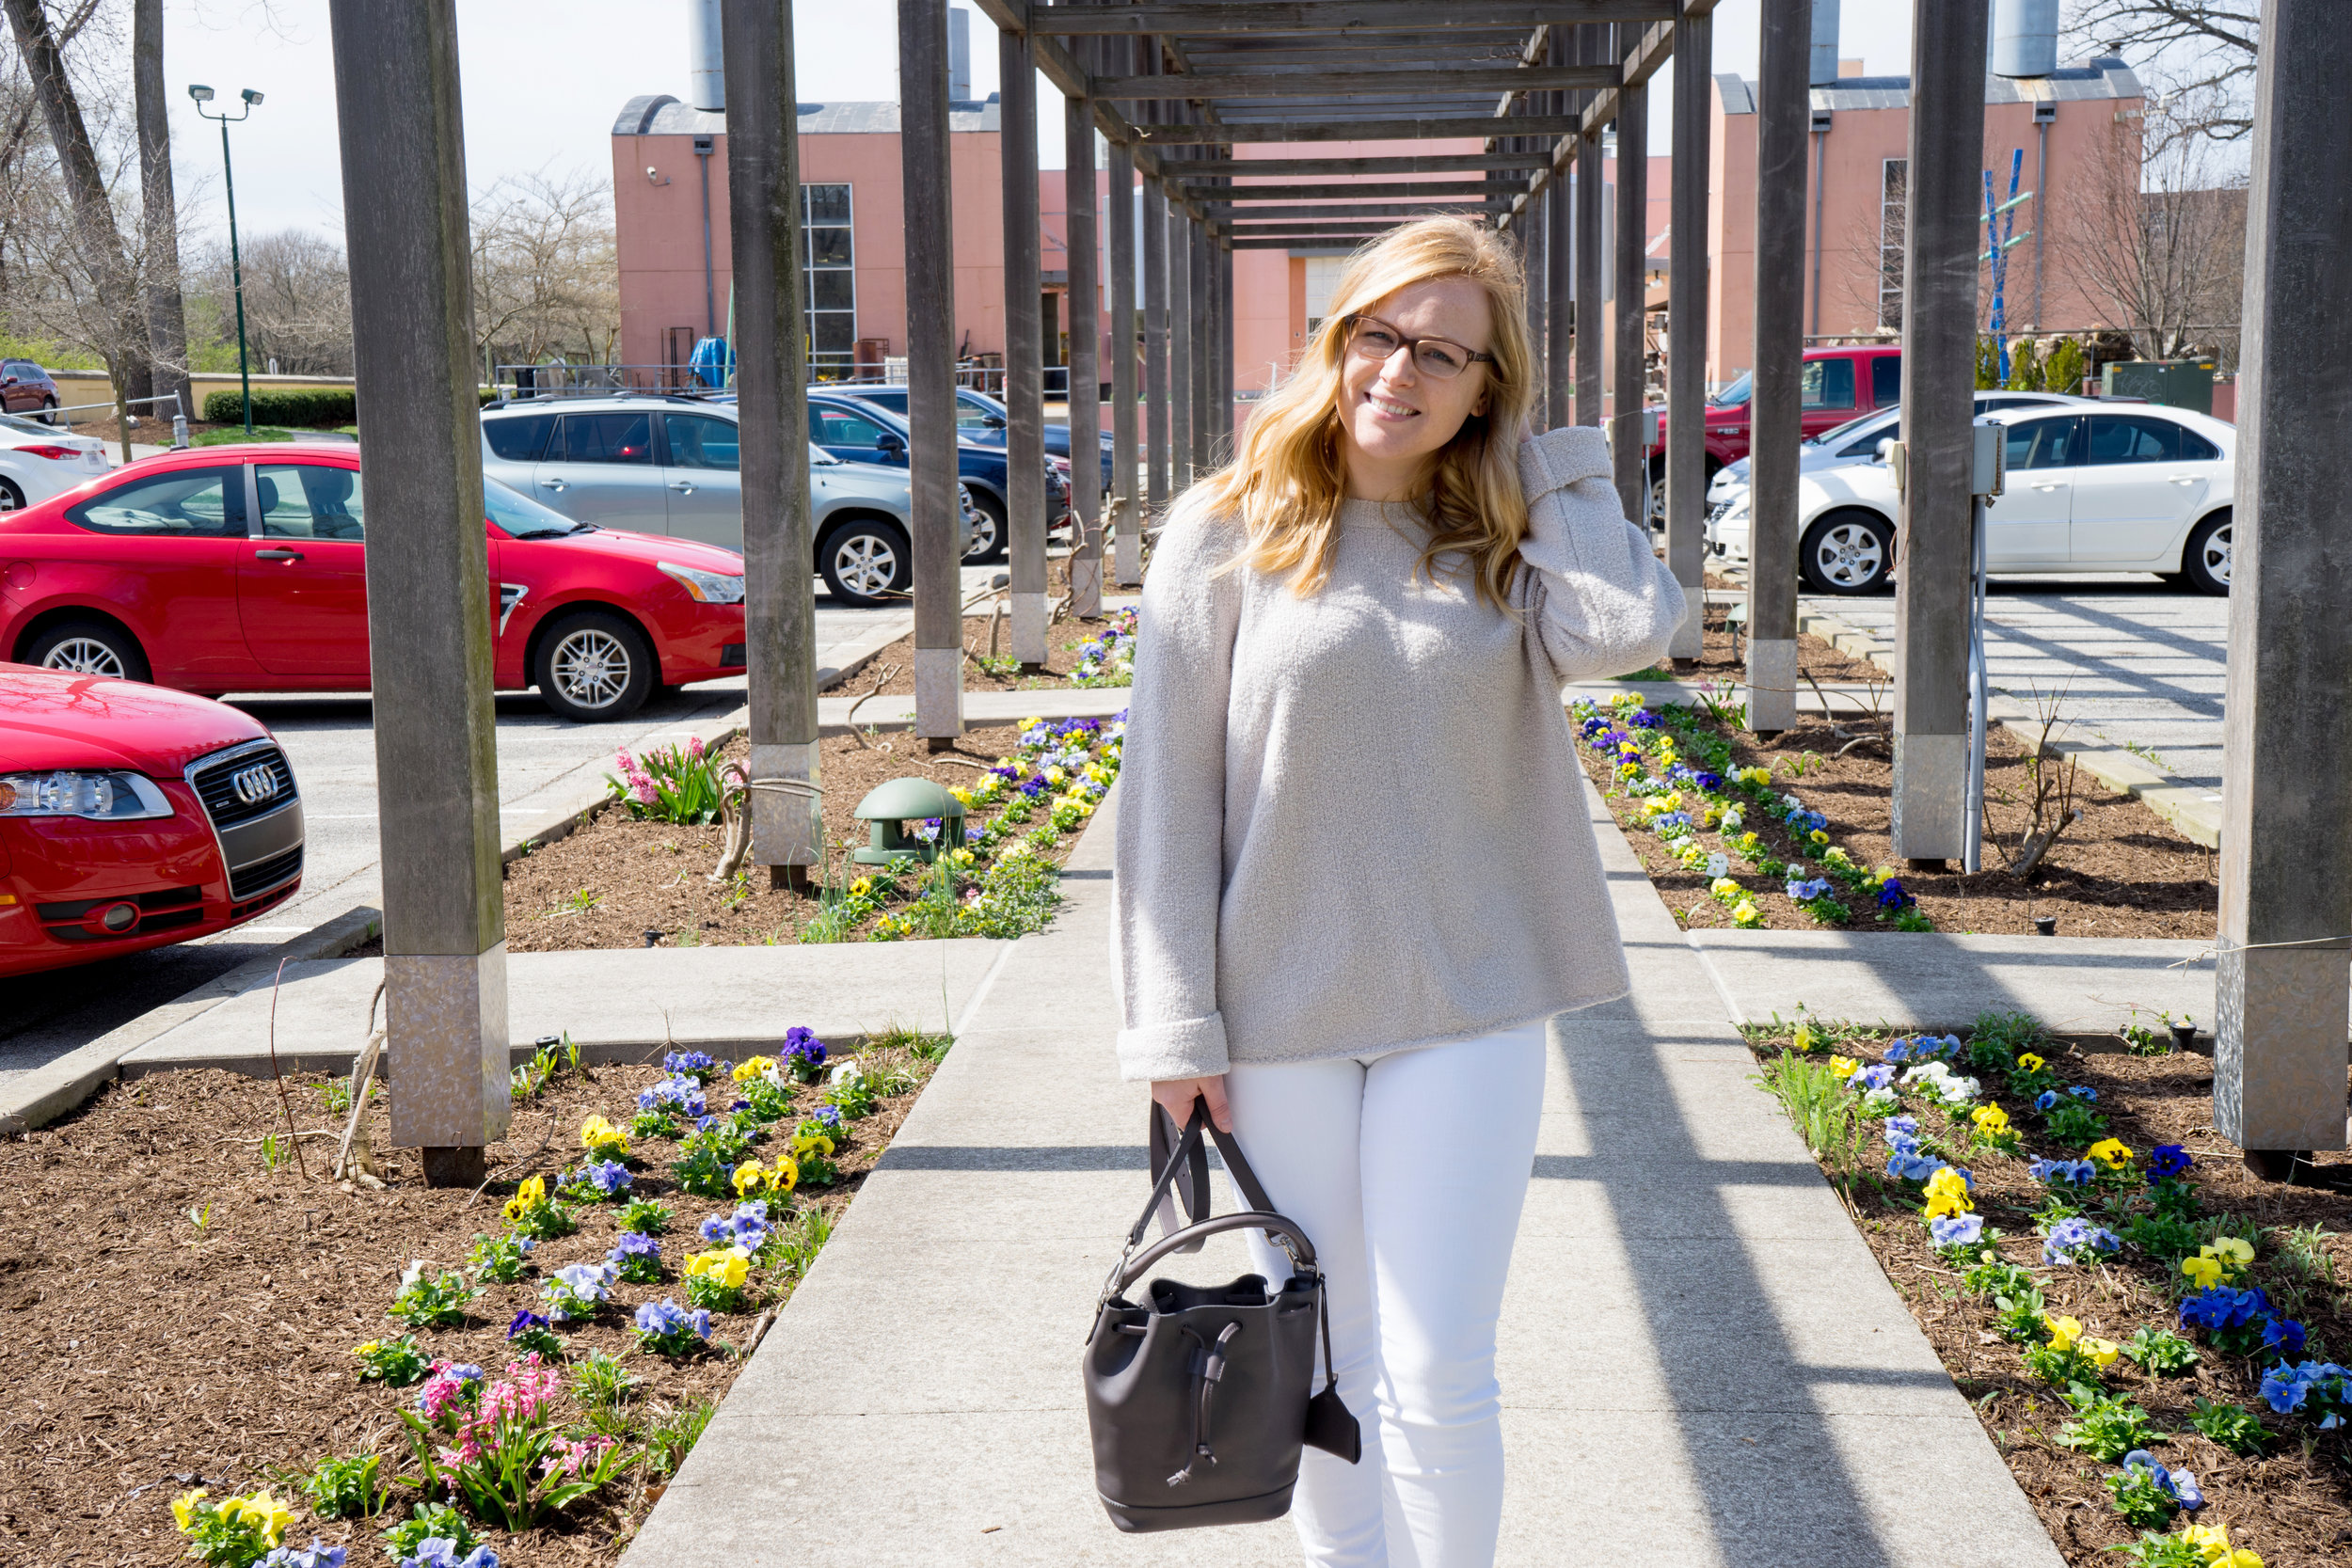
point(1395, 417)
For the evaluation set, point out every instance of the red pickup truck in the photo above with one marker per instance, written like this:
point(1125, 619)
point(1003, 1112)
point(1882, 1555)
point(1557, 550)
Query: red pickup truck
point(1839, 383)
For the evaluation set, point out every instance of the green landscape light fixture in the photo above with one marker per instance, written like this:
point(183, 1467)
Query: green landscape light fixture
point(203, 95)
point(889, 807)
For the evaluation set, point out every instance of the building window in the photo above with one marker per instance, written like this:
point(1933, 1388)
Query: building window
point(1322, 281)
point(829, 278)
point(1894, 189)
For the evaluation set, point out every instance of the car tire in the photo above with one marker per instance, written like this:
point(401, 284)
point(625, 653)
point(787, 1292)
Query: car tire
point(49, 412)
point(866, 563)
point(593, 666)
point(91, 648)
point(1846, 552)
point(2205, 559)
point(989, 535)
point(11, 496)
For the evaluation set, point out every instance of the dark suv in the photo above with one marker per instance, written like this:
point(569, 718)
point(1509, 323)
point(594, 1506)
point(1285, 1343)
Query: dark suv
point(25, 389)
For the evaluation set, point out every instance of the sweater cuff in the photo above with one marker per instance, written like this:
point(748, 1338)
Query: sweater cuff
point(1189, 1048)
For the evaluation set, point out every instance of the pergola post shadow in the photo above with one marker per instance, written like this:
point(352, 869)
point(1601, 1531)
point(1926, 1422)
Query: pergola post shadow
point(928, 183)
point(1628, 458)
point(1776, 415)
point(1685, 331)
point(1928, 808)
point(399, 123)
point(1025, 327)
point(1085, 410)
point(771, 408)
point(2282, 979)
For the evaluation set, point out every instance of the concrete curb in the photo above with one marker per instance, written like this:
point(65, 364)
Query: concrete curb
point(2193, 809)
point(42, 1096)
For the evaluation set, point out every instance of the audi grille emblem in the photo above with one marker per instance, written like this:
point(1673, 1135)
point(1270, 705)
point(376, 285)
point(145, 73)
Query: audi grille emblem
point(254, 784)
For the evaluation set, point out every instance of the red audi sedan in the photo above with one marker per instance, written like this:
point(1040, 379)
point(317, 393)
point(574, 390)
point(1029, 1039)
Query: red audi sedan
point(132, 818)
point(243, 568)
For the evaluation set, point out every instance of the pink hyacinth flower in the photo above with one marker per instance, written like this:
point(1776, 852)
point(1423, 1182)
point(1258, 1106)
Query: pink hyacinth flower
point(695, 746)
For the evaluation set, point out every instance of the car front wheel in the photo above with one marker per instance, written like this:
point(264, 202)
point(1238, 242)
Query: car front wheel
point(91, 648)
point(988, 535)
point(11, 497)
point(2206, 561)
point(1846, 552)
point(595, 667)
point(867, 564)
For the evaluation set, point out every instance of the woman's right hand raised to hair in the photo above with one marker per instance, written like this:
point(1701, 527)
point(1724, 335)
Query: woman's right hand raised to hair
point(1175, 1096)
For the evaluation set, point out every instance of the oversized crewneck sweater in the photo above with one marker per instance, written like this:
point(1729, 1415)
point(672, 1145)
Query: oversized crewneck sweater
point(1352, 823)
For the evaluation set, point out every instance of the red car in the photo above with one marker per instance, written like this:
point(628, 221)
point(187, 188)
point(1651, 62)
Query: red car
point(1838, 385)
point(242, 568)
point(134, 817)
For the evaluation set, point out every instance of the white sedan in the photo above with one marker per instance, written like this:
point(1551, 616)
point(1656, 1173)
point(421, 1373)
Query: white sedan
point(37, 461)
point(2146, 490)
point(1857, 440)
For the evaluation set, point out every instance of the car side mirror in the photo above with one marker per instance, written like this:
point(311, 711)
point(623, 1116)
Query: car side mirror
point(992, 421)
point(1885, 452)
point(890, 443)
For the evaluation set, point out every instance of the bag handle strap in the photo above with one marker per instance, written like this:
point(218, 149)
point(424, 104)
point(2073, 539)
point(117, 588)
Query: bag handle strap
point(1132, 1268)
point(1190, 1153)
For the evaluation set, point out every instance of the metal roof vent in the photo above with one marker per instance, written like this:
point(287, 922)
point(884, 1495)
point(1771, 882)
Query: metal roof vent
point(2025, 37)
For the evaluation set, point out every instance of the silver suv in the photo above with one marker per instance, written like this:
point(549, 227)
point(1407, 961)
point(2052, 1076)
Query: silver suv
point(666, 464)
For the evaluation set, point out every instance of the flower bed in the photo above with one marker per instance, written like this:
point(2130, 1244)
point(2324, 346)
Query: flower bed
point(642, 866)
point(1077, 654)
point(2117, 870)
point(2144, 1329)
point(184, 1309)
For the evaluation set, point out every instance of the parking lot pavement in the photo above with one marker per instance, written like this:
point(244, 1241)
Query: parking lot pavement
point(2133, 663)
point(330, 741)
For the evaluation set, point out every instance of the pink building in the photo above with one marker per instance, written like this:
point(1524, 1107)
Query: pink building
point(2077, 128)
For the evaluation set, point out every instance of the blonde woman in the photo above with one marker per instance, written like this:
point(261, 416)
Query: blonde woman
point(1355, 872)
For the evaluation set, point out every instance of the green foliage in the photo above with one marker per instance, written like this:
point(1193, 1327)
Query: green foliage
point(336, 1095)
point(2163, 1551)
point(345, 1488)
point(430, 1299)
point(655, 1124)
point(2107, 1429)
point(517, 1478)
point(793, 1248)
point(236, 435)
point(646, 1217)
point(603, 1387)
point(2165, 1237)
point(396, 1363)
point(2232, 1426)
point(1990, 1276)
point(306, 408)
point(2024, 368)
point(498, 1260)
point(2073, 1122)
point(669, 783)
point(1998, 1039)
point(1819, 1106)
point(430, 1522)
point(2138, 1499)
point(1988, 364)
point(2066, 368)
point(2303, 1251)
point(222, 1535)
point(2159, 1351)
point(670, 1439)
point(703, 1171)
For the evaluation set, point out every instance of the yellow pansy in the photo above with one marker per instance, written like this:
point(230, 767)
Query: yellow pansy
point(1804, 1035)
point(808, 1143)
point(183, 1505)
point(2104, 1352)
point(2204, 1271)
point(2032, 1063)
point(1054, 775)
point(530, 1195)
point(1817, 836)
point(265, 1511)
point(2063, 1332)
point(963, 797)
point(1747, 914)
point(1989, 1119)
point(599, 1134)
point(2235, 1252)
point(2212, 1539)
point(1031, 723)
point(2239, 1559)
point(1840, 1067)
point(751, 1176)
point(1947, 1193)
point(729, 1266)
point(2111, 1152)
point(1749, 841)
point(752, 1067)
point(1723, 887)
point(860, 887)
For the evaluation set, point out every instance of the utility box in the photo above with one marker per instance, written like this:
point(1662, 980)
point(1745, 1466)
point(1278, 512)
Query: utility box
point(2175, 383)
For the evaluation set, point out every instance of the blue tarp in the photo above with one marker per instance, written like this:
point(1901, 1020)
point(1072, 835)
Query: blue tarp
point(713, 362)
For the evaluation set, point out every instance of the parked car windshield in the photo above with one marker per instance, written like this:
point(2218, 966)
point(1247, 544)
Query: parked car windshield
point(1836, 434)
point(523, 518)
point(1732, 395)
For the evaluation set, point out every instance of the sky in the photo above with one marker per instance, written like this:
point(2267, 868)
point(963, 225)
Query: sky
point(544, 79)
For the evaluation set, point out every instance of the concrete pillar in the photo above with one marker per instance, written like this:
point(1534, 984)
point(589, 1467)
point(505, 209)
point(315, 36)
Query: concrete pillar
point(428, 566)
point(1776, 419)
point(1591, 310)
point(1930, 805)
point(1559, 267)
point(1125, 513)
point(2286, 865)
point(1627, 456)
point(1201, 285)
point(1156, 402)
point(931, 370)
point(1222, 256)
point(1085, 328)
point(1531, 229)
point(1686, 325)
point(1025, 327)
point(1182, 324)
point(771, 359)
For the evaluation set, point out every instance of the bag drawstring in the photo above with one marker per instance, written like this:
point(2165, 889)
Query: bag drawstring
point(1208, 1369)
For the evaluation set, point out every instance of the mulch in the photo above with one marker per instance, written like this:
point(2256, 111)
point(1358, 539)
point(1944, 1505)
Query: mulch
point(2119, 871)
point(642, 876)
point(896, 662)
point(141, 1355)
point(2293, 1507)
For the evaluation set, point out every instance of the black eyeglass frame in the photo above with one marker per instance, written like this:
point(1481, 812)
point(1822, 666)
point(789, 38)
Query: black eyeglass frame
point(1354, 322)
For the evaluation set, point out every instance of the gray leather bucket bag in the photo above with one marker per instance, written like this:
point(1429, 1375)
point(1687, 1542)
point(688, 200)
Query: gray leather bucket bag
point(1202, 1397)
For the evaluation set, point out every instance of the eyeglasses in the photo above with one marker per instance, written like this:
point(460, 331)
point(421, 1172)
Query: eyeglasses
point(1441, 358)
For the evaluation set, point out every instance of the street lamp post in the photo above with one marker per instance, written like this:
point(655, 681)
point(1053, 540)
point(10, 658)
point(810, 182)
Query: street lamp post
point(203, 95)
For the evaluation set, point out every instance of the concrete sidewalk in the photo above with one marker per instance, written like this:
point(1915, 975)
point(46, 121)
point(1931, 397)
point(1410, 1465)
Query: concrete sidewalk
point(1697, 1353)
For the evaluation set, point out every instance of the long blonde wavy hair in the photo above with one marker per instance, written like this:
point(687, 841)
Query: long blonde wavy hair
point(1287, 479)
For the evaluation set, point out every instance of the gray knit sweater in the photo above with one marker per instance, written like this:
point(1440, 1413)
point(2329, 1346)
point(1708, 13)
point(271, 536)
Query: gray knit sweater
point(1352, 823)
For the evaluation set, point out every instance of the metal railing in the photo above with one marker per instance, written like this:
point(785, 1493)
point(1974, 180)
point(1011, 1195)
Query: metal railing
point(178, 418)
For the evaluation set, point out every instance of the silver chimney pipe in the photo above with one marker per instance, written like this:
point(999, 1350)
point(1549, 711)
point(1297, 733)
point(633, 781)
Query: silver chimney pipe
point(2024, 36)
point(1824, 56)
point(706, 64)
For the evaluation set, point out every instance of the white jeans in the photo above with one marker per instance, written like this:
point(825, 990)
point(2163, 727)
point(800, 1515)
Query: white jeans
point(1408, 1172)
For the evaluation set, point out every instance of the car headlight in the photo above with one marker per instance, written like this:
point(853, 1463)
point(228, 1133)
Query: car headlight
point(709, 587)
point(101, 796)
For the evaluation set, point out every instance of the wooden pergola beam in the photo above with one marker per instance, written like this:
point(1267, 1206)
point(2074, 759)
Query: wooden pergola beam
point(1308, 169)
point(1368, 210)
point(1216, 195)
point(1211, 19)
point(1466, 81)
point(1361, 130)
